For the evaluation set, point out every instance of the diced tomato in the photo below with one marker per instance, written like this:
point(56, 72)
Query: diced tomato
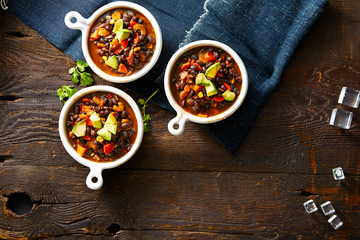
point(132, 23)
point(87, 137)
point(95, 34)
point(80, 150)
point(204, 115)
point(183, 75)
point(108, 148)
point(185, 66)
point(89, 122)
point(198, 88)
point(218, 98)
point(187, 89)
point(124, 43)
point(209, 57)
point(227, 86)
point(122, 68)
point(86, 99)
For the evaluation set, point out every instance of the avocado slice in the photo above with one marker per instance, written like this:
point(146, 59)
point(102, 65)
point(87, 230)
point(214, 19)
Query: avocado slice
point(122, 34)
point(113, 62)
point(80, 128)
point(213, 70)
point(105, 134)
point(96, 121)
point(111, 124)
point(211, 89)
point(119, 24)
point(201, 80)
point(228, 95)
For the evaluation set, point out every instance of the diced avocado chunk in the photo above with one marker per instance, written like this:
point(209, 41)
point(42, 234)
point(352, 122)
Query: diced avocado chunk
point(105, 134)
point(111, 124)
point(80, 128)
point(201, 80)
point(95, 119)
point(213, 70)
point(119, 24)
point(228, 95)
point(113, 62)
point(122, 34)
point(211, 89)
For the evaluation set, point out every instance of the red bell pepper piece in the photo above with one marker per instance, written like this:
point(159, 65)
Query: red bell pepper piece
point(209, 57)
point(218, 98)
point(89, 122)
point(122, 68)
point(132, 23)
point(136, 38)
point(198, 66)
point(86, 99)
point(87, 137)
point(109, 95)
point(187, 89)
point(108, 148)
point(185, 66)
point(123, 43)
point(227, 86)
point(198, 88)
point(220, 74)
point(204, 115)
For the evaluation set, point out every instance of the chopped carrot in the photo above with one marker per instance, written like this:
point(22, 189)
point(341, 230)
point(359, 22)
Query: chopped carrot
point(103, 32)
point(108, 148)
point(227, 86)
point(80, 150)
point(202, 57)
point(183, 75)
point(218, 98)
point(209, 57)
point(204, 115)
point(198, 87)
point(95, 34)
point(85, 108)
point(187, 89)
point(117, 51)
point(185, 66)
point(87, 137)
point(100, 45)
point(122, 68)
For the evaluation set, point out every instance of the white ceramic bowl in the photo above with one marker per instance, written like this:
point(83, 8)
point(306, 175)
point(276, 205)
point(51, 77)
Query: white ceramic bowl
point(176, 126)
point(84, 25)
point(96, 168)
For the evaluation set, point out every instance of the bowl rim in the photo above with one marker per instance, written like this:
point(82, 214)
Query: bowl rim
point(85, 25)
point(63, 131)
point(183, 113)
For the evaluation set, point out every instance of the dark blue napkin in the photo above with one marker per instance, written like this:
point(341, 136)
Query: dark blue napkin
point(265, 33)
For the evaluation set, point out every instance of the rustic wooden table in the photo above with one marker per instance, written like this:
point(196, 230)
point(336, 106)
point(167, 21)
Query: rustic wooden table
point(188, 186)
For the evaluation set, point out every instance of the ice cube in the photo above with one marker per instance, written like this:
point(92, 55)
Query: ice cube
point(349, 97)
point(335, 222)
point(327, 208)
point(310, 206)
point(338, 173)
point(341, 118)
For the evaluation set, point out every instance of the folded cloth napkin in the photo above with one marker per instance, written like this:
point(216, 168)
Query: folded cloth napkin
point(265, 33)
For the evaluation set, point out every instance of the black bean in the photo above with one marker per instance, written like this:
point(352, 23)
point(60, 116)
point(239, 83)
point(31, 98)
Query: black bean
point(68, 124)
point(128, 148)
point(135, 18)
point(151, 39)
point(124, 114)
point(102, 20)
point(131, 13)
point(141, 21)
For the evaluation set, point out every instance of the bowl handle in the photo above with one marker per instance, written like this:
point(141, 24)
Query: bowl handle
point(80, 24)
point(94, 173)
point(178, 121)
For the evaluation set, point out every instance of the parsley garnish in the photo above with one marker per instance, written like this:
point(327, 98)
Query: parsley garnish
point(78, 74)
point(146, 116)
point(66, 92)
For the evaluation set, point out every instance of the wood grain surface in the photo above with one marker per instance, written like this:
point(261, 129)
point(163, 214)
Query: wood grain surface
point(188, 186)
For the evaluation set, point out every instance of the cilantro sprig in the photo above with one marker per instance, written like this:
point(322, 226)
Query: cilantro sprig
point(65, 92)
point(146, 116)
point(78, 74)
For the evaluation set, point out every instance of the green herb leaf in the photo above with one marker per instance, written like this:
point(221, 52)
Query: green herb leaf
point(65, 92)
point(78, 74)
point(146, 116)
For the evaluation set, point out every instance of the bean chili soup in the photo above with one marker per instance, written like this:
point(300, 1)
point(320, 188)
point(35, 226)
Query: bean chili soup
point(121, 42)
point(102, 127)
point(206, 81)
